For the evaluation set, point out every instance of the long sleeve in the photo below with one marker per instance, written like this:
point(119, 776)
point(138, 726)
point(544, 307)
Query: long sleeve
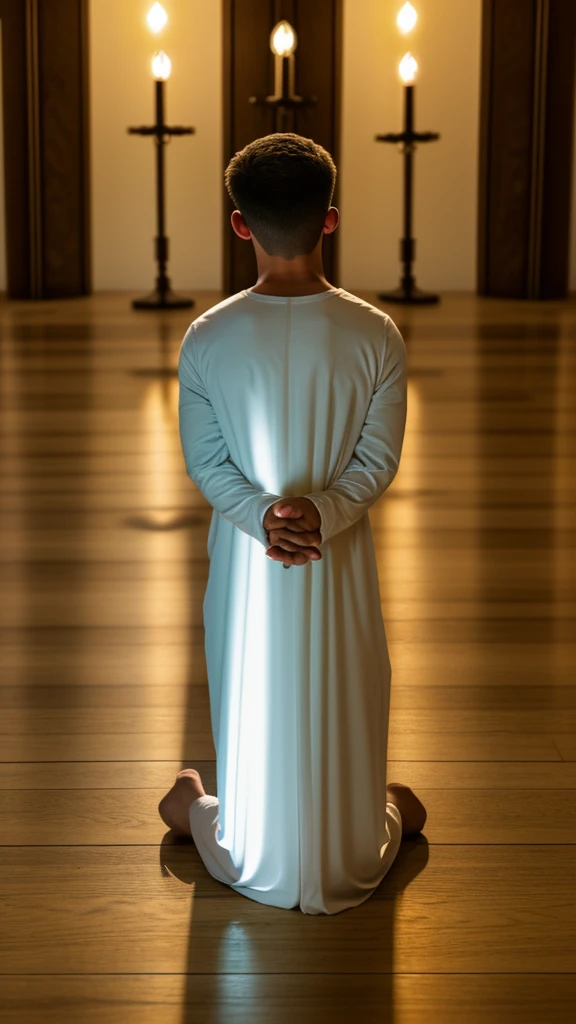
point(207, 457)
point(374, 463)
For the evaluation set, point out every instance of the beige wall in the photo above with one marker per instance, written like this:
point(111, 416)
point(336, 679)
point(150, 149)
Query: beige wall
point(446, 43)
point(123, 168)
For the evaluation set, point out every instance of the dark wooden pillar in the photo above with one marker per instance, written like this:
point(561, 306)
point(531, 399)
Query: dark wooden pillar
point(46, 153)
point(526, 129)
point(249, 71)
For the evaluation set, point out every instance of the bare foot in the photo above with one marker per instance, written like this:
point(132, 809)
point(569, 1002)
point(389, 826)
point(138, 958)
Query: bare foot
point(412, 810)
point(174, 808)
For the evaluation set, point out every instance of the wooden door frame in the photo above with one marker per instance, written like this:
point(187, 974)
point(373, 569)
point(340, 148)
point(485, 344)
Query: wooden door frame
point(46, 148)
point(228, 10)
point(525, 152)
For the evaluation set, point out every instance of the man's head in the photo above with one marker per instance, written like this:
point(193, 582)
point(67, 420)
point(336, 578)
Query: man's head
point(282, 185)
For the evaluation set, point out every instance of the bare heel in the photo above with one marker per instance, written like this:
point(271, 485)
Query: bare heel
point(411, 809)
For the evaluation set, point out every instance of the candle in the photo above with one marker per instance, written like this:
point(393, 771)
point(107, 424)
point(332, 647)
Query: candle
point(162, 297)
point(407, 292)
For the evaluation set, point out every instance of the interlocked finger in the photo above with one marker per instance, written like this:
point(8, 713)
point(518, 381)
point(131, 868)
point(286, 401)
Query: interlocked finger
point(272, 522)
point(294, 541)
point(278, 554)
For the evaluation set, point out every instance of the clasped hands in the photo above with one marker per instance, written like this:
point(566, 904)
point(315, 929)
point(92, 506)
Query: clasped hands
point(293, 526)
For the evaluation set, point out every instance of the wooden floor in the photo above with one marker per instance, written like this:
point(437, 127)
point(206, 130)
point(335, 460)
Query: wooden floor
point(104, 697)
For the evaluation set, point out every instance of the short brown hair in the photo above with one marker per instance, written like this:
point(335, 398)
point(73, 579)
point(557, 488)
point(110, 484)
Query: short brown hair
point(282, 184)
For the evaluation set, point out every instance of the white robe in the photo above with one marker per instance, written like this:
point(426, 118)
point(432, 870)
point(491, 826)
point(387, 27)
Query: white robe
point(279, 396)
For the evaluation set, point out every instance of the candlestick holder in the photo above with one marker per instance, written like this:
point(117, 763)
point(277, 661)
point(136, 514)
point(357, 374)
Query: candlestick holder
point(162, 297)
point(408, 292)
point(284, 101)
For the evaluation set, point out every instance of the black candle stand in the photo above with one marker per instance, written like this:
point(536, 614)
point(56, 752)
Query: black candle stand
point(408, 292)
point(162, 297)
point(284, 101)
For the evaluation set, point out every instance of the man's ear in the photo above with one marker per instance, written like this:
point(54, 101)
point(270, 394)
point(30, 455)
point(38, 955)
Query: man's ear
point(240, 226)
point(331, 220)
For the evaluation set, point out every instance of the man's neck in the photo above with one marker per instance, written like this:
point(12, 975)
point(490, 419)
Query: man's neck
point(284, 286)
point(303, 275)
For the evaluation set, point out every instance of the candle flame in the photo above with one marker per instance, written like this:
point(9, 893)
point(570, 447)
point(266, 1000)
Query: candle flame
point(156, 18)
point(408, 68)
point(283, 40)
point(407, 18)
point(161, 66)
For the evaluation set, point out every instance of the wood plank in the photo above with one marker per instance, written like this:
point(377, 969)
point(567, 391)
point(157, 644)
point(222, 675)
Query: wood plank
point(434, 662)
point(59, 698)
point(91, 659)
point(172, 605)
point(87, 720)
point(103, 720)
point(470, 697)
point(509, 571)
point(279, 998)
point(130, 816)
point(125, 774)
point(539, 775)
point(45, 661)
point(452, 872)
point(149, 746)
point(194, 696)
point(197, 745)
point(399, 628)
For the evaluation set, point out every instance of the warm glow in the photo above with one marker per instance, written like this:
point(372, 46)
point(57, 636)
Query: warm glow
point(156, 18)
point(408, 68)
point(283, 39)
point(407, 18)
point(161, 66)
